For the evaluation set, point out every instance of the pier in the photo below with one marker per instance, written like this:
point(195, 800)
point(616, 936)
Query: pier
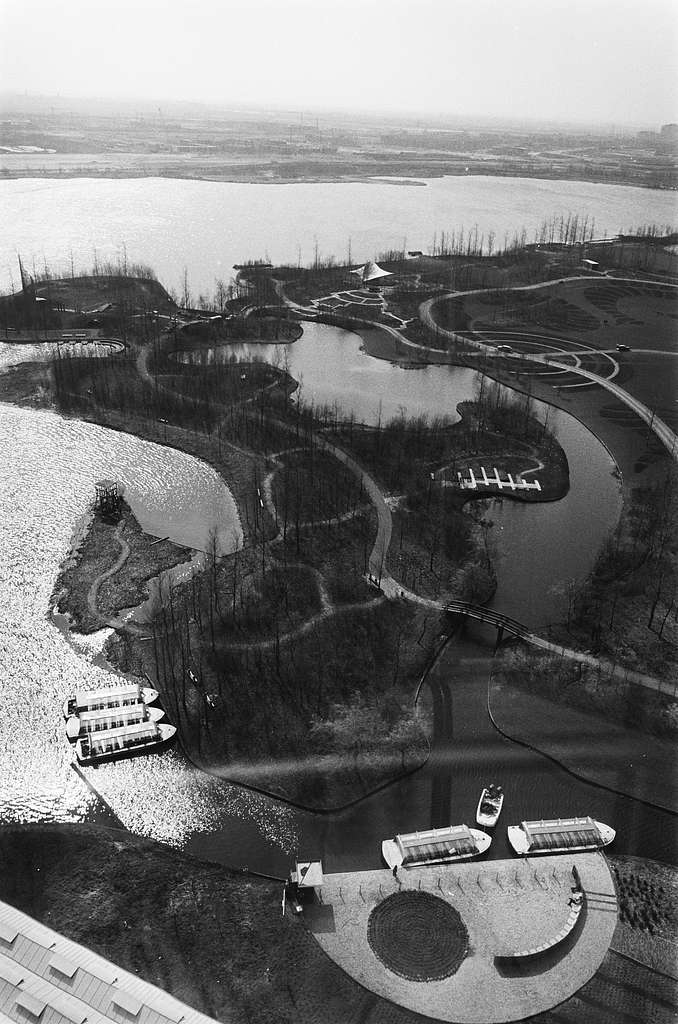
point(472, 482)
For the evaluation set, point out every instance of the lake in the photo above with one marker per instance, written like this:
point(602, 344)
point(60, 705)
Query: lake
point(207, 226)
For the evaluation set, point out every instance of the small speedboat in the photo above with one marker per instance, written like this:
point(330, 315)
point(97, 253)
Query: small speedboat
point(489, 806)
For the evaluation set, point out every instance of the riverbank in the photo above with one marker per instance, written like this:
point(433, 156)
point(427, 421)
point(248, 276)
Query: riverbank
point(217, 939)
point(588, 723)
point(287, 172)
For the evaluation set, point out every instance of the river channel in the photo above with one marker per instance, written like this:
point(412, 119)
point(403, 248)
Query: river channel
point(46, 483)
point(539, 548)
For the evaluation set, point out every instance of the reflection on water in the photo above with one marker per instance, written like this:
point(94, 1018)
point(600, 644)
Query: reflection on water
point(333, 370)
point(538, 548)
point(46, 474)
point(208, 226)
point(166, 798)
point(541, 548)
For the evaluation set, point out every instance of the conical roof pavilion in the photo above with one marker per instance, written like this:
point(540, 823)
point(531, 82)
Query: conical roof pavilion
point(371, 272)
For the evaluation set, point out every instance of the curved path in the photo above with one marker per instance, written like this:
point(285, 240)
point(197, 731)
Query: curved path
point(377, 560)
point(115, 621)
point(662, 430)
point(667, 436)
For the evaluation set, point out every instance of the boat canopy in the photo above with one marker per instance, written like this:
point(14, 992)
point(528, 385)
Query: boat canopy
point(117, 739)
point(437, 844)
point(121, 714)
point(562, 833)
point(90, 700)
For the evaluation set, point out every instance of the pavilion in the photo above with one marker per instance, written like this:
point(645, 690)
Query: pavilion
point(371, 272)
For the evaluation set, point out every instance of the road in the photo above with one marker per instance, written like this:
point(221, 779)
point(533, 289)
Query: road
point(661, 429)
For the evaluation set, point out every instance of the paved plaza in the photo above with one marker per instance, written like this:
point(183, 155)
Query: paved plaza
point(507, 906)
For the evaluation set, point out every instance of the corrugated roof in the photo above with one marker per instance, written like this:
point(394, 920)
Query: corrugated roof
point(436, 835)
point(96, 991)
point(10, 972)
point(533, 828)
point(63, 965)
point(33, 1004)
point(87, 698)
point(109, 714)
point(436, 844)
point(71, 1009)
point(8, 932)
point(126, 1002)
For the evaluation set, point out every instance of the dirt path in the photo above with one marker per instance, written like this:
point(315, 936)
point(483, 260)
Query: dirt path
point(92, 603)
point(391, 589)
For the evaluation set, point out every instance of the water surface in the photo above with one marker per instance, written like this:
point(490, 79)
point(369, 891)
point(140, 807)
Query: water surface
point(207, 226)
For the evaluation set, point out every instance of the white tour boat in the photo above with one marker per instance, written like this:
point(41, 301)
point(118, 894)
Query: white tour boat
point(139, 738)
point(105, 719)
point(489, 806)
point(435, 846)
point(110, 697)
point(559, 835)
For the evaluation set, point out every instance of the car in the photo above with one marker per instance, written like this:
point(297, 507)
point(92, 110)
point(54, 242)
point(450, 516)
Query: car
point(623, 348)
point(504, 348)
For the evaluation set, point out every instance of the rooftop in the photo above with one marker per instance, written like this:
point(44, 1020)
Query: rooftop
point(47, 977)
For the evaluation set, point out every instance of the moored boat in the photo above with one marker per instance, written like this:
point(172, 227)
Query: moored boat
point(105, 719)
point(489, 806)
point(559, 835)
point(435, 846)
point(110, 697)
point(139, 738)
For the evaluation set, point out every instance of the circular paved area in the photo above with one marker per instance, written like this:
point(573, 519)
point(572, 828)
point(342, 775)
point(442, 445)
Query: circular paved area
point(417, 935)
point(506, 906)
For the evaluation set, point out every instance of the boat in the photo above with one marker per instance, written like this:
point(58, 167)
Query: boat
point(139, 738)
point(110, 718)
point(489, 806)
point(435, 846)
point(559, 835)
point(110, 697)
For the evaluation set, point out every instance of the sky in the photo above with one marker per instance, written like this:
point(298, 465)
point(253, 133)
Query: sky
point(579, 61)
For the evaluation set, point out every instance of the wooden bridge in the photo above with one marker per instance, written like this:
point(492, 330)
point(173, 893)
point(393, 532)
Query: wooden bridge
point(505, 624)
point(502, 623)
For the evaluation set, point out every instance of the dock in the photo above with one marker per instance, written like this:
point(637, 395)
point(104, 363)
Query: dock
point(472, 482)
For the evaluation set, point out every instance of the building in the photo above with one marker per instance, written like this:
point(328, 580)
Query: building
point(47, 979)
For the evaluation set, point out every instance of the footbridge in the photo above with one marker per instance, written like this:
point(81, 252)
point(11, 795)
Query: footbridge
point(505, 624)
point(502, 623)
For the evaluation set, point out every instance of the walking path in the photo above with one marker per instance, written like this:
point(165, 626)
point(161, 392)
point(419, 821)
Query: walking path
point(667, 436)
point(115, 622)
point(390, 587)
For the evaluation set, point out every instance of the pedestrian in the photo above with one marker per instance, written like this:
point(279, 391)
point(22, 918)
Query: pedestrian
point(395, 870)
